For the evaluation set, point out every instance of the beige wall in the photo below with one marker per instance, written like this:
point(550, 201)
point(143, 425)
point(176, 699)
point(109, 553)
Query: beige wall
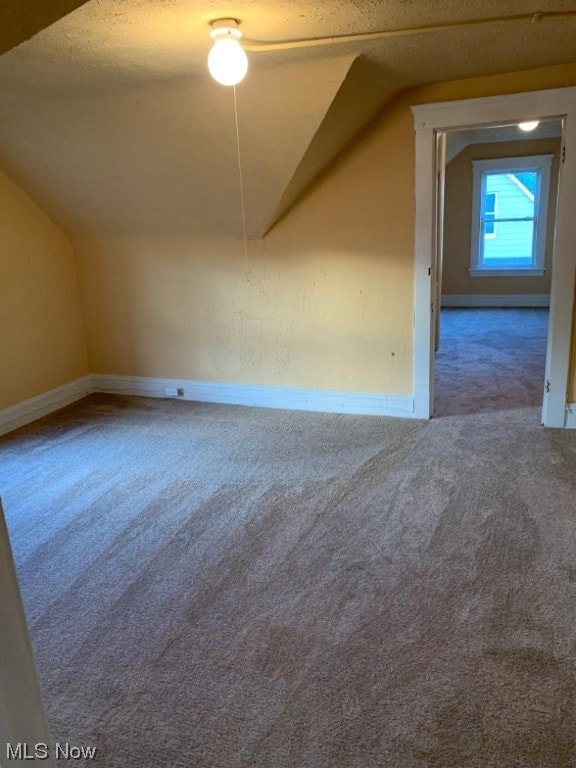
point(41, 331)
point(458, 220)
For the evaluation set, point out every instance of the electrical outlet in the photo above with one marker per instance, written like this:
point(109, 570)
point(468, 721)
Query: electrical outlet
point(180, 391)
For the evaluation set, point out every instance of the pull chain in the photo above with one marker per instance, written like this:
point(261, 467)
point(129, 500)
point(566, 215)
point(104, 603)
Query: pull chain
point(242, 206)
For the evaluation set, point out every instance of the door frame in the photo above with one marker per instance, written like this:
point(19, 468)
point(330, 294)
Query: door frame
point(22, 719)
point(430, 120)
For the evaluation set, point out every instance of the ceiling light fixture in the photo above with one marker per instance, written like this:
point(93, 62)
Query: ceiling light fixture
point(227, 60)
point(529, 125)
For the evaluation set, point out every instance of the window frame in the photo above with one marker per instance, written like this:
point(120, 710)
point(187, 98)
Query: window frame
point(543, 165)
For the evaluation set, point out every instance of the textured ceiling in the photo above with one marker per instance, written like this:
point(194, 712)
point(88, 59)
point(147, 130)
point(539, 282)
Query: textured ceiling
point(108, 41)
point(111, 121)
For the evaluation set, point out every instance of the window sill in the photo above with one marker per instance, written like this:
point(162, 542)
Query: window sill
point(506, 272)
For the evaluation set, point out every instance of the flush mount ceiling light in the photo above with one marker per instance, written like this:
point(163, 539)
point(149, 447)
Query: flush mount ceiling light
point(529, 125)
point(227, 60)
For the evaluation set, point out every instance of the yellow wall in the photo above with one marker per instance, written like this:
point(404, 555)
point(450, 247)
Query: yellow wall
point(41, 331)
point(458, 220)
point(325, 300)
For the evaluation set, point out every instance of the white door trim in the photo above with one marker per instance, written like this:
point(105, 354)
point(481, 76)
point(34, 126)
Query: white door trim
point(22, 719)
point(429, 120)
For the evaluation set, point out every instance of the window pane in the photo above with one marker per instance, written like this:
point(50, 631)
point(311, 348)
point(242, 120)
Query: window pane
point(529, 179)
point(512, 244)
point(515, 192)
point(509, 222)
point(489, 212)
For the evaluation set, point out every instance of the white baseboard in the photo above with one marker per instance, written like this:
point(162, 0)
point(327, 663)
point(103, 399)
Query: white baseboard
point(496, 300)
point(29, 410)
point(292, 398)
point(570, 416)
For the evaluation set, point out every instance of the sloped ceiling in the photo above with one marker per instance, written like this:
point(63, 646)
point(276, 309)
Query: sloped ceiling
point(19, 20)
point(162, 156)
point(112, 123)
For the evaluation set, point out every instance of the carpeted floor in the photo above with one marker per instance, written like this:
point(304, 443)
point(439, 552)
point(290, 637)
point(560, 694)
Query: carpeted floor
point(223, 587)
point(490, 359)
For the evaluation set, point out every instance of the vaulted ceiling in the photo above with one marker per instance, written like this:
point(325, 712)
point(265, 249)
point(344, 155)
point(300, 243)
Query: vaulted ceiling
point(111, 121)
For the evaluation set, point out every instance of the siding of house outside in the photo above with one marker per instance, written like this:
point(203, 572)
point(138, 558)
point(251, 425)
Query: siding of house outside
point(512, 240)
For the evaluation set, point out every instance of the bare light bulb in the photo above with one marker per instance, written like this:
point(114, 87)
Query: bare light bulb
point(529, 125)
point(227, 60)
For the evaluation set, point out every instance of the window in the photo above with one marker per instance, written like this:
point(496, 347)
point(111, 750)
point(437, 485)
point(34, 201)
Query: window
point(510, 208)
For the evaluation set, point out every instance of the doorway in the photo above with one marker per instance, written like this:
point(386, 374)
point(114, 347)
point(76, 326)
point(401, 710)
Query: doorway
point(495, 264)
point(432, 123)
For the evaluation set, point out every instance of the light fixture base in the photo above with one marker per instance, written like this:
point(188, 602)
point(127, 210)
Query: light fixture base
point(223, 27)
point(215, 23)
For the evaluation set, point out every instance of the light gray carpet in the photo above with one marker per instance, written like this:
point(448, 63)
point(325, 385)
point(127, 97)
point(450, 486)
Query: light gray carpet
point(222, 587)
point(490, 359)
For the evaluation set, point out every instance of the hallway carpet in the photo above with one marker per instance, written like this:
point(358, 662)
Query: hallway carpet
point(224, 587)
point(490, 359)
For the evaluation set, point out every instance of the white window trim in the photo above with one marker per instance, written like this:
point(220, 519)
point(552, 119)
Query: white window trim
point(524, 272)
point(541, 163)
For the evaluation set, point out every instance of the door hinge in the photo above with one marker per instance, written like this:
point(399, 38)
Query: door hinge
point(564, 154)
point(548, 385)
point(429, 270)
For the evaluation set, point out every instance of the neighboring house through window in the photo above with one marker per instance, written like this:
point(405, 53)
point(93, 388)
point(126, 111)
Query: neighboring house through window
point(510, 210)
